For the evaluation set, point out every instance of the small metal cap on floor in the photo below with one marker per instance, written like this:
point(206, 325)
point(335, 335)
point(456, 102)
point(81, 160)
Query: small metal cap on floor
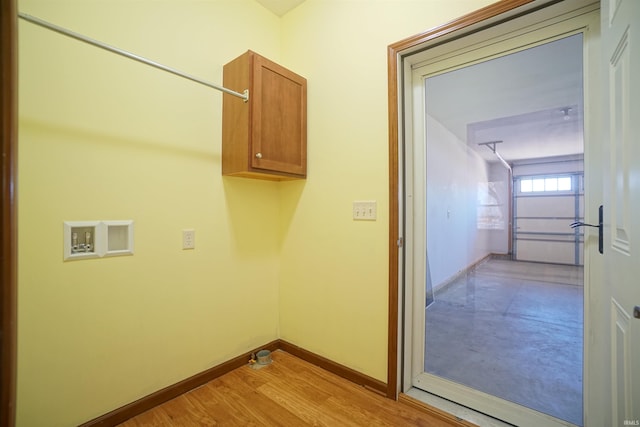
point(264, 357)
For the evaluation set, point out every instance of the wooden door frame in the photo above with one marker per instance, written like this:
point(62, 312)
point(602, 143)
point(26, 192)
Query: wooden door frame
point(475, 21)
point(8, 227)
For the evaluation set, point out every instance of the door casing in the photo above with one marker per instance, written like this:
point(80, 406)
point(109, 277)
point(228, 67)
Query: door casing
point(466, 24)
point(8, 227)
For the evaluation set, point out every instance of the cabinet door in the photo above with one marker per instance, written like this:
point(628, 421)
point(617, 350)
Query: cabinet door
point(279, 122)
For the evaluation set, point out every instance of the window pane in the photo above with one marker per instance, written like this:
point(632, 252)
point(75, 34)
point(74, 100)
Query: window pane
point(551, 184)
point(564, 183)
point(525, 186)
point(538, 184)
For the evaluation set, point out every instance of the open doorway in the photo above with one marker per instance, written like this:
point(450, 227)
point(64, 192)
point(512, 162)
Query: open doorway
point(504, 311)
point(494, 261)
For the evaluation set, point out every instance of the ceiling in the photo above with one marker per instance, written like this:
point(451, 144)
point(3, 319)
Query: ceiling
point(531, 100)
point(280, 7)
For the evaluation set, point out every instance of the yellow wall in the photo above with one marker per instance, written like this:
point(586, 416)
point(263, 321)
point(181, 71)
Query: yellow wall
point(334, 277)
point(102, 137)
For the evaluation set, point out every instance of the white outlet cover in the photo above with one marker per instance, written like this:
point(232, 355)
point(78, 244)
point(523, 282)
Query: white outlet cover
point(188, 239)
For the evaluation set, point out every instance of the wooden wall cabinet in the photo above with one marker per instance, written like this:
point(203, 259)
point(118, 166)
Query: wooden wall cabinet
point(266, 137)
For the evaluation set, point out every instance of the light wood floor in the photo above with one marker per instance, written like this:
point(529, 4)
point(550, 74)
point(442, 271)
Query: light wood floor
point(288, 392)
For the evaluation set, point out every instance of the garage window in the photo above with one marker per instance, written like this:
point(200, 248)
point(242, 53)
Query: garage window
point(545, 184)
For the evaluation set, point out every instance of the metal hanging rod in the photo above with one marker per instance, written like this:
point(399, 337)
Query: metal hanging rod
point(80, 37)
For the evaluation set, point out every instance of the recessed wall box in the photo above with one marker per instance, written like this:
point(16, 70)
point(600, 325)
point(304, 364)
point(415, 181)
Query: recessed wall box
point(81, 239)
point(119, 237)
point(95, 239)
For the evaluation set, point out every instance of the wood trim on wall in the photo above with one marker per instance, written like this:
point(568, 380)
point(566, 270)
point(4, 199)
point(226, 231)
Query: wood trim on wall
point(394, 55)
point(333, 367)
point(120, 415)
point(8, 219)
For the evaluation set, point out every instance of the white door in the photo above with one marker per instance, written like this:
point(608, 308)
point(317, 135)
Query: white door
point(621, 158)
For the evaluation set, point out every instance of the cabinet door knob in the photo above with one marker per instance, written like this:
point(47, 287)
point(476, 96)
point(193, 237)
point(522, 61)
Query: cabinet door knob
point(258, 155)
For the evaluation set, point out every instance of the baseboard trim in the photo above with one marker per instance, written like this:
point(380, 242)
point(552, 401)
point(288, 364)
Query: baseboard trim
point(120, 415)
point(462, 273)
point(435, 412)
point(335, 368)
point(143, 404)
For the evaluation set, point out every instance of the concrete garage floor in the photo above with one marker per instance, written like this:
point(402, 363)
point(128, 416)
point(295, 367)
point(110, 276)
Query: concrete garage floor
point(514, 330)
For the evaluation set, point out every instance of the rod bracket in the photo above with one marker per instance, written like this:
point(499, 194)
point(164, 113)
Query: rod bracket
point(246, 95)
point(491, 145)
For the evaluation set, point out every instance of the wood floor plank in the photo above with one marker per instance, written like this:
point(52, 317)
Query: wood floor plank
point(185, 411)
point(288, 392)
point(297, 403)
point(241, 398)
point(147, 419)
point(240, 401)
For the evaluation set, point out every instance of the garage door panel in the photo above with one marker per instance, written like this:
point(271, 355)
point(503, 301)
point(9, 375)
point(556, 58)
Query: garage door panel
point(551, 252)
point(546, 225)
point(546, 206)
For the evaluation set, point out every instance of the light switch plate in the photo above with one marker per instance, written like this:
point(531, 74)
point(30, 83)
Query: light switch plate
point(365, 210)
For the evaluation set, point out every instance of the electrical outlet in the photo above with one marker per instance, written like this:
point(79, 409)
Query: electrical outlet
point(188, 239)
point(365, 210)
